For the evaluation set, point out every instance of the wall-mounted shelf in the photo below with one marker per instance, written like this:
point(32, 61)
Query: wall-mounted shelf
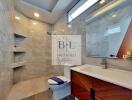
point(18, 64)
point(19, 35)
point(18, 49)
point(18, 39)
point(18, 56)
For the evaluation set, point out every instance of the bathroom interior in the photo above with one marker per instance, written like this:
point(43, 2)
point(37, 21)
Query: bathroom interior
point(26, 50)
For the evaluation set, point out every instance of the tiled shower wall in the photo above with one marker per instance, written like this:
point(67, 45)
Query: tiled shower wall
point(6, 43)
point(37, 46)
point(78, 27)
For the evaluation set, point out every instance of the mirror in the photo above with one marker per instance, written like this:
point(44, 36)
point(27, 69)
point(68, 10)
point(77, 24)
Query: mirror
point(109, 31)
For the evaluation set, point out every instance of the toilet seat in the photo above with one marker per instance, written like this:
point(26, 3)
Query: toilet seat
point(52, 82)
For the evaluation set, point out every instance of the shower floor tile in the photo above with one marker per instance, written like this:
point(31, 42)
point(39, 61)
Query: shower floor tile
point(28, 88)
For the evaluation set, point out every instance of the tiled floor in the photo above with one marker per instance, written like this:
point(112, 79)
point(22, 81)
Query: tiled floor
point(28, 88)
point(47, 95)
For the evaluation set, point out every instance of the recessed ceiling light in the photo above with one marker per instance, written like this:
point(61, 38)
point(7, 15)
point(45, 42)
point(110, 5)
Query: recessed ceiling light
point(102, 1)
point(114, 15)
point(16, 17)
point(34, 23)
point(36, 14)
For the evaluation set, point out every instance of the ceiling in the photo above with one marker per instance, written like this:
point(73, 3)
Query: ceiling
point(50, 10)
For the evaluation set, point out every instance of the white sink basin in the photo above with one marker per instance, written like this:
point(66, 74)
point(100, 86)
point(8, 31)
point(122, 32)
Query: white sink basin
point(115, 76)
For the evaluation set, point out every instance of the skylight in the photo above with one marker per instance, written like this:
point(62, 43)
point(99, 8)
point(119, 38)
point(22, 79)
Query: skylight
point(80, 8)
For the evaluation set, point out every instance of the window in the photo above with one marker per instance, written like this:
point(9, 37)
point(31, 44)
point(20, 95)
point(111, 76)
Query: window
point(79, 8)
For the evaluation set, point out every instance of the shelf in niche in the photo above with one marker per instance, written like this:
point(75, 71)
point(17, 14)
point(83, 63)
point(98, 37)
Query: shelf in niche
point(18, 49)
point(18, 64)
point(18, 39)
point(19, 56)
point(19, 35)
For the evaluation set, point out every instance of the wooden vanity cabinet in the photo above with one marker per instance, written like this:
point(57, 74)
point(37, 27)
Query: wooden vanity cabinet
point(82, 85)
point(108, 91)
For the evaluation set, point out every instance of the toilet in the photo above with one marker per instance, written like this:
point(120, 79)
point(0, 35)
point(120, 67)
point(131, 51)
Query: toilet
point(62, 89)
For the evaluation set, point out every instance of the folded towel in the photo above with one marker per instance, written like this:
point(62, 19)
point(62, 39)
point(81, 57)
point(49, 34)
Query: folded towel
point(58, 80)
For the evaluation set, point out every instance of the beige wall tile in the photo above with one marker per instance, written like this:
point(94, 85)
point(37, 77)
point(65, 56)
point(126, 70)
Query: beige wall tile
point(38, 49)
point(6, 43)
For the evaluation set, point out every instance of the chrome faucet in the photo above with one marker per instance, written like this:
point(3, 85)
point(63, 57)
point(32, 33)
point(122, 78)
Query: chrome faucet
point(104, 62)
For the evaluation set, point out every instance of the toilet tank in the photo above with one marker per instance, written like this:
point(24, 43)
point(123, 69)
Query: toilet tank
point(67, 71)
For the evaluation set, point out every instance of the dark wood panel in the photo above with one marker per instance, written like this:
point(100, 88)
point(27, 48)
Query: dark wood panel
point(81, 80)
point(108, 91)
point(81, 85)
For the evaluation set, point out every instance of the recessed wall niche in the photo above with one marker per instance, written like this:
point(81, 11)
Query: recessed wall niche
point(18, 51)
point(18, 55)
point(18, 39)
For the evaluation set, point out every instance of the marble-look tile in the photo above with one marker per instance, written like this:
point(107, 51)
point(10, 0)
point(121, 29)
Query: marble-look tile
point(38, 49)
point(47, 95)
point(28, 88)
point(6, 43)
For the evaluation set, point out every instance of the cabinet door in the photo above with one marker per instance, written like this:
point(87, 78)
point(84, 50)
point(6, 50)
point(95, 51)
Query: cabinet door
point(108, 91)
point(81, 85)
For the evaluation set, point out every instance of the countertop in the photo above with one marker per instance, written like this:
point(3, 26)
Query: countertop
point(115, 76)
